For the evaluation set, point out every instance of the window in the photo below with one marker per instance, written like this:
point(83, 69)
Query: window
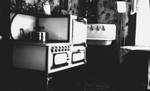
point(142, 36)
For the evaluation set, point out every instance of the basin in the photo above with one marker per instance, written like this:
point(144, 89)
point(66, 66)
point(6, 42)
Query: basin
point(101, 34)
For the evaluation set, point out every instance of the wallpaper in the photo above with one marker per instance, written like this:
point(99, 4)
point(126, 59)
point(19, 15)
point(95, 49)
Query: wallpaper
point(106, 13)
point(102, 11)
point(57, 7)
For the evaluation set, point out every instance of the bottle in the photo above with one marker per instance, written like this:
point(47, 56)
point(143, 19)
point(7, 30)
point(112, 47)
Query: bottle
point(47, 8)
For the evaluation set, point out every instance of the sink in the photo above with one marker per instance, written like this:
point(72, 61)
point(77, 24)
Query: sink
point(101, 34)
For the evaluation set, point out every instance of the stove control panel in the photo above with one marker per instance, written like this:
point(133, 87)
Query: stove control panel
point(60, 48)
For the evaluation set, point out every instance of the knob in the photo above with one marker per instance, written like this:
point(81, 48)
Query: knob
point(103, 28)
point(62, 48)
point(97, 28)
point(91, 28)
point(55, 50)
point(52, 49)
point(59, 50)
point(56, 47)
point(65, 49)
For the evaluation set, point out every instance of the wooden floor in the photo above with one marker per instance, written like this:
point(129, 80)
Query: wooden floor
point(68, 82)
point(109, 87)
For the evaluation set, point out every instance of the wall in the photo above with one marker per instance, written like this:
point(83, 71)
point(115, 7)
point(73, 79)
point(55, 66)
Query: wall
point(4, 47)
point(102, 11)
point(4, 18)
point(142, 28)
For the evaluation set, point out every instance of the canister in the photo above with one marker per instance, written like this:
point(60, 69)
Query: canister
point(39, 36)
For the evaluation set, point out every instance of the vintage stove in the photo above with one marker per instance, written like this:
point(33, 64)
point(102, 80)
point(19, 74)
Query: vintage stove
point(64, 48)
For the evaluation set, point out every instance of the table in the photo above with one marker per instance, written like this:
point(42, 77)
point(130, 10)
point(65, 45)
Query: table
point(140, 48)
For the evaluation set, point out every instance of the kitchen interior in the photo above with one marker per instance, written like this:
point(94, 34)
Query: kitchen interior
point(75, 45)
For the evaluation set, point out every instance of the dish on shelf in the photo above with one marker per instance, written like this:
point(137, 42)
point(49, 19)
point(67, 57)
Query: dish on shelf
point(21, 25)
